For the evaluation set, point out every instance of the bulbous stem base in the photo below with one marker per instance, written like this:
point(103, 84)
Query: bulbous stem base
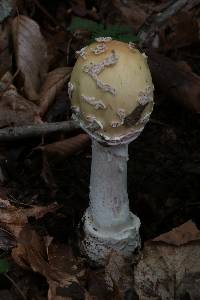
point(98, 244)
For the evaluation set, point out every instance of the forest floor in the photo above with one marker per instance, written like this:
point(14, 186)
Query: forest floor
point(44, 180)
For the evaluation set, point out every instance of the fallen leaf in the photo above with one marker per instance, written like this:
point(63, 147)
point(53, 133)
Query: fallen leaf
point(170, 272)
point(58, 43)
point(97, 285)
point(119, 275)
point(40, 211)
point(174, 81)
point(70, 270)
point(54, 82)
point(14, 219)
point(16, 110)
point(180, 31)
point(79, 8)
point(66, 147)
point(30, 252)
point(181, 235)
point(132, 13)
point(30, 54)
point(56, 263)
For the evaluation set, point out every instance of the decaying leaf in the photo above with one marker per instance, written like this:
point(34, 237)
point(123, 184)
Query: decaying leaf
point(30, 54)
point(70, 270)
point(180, 31)
point(16, 110)
point(30, 252)
point(170, 272)
point(119, 275)
point(97, 285)
point(131, 12)
point(66, 147)
point(181, 235)
point(53, 84)
point(15, 219)
point(175, 82)
point(55, 262)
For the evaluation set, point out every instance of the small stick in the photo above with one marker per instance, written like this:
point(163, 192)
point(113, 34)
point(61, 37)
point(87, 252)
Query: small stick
point(21, 132)
point(148, 29)
point(16, 286)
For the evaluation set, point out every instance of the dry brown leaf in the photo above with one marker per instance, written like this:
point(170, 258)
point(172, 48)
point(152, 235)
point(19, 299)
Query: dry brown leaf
point(56, 263)
point(15, 219)
point(40, 211)
point(132, 13)
point(53, 84)
point(30, 54)
point(181, 235)
point(97, 286)
point(180, 31)
point(169, 272)
point(16, 110)
point(66, 147)
point(118, 275)
point(70, 270)
point(30, 252)
point(174, 81)
point(11, 218)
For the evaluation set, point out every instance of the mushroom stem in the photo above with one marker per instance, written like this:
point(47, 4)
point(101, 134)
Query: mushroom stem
point(109, 225)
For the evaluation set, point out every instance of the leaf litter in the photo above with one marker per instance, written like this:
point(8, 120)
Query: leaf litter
point(30, 54)
point(167, 267)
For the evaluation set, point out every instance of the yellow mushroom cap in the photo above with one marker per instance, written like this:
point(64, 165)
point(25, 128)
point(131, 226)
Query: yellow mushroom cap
point(111, 91)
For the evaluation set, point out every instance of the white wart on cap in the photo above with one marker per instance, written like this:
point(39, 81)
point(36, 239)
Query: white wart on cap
point(111, 91)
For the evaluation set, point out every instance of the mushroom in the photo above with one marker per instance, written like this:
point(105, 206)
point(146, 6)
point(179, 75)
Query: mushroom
point(111, 94)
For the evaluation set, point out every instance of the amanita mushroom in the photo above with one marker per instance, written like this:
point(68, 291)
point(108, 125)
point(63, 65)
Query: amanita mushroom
point(111, 93)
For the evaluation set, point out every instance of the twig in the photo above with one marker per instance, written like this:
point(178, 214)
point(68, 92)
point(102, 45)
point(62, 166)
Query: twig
point(16, 286)
point(148, 30)
point(21, 132)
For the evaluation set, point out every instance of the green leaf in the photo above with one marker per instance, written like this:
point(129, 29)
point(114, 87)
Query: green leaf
point(118, 32)
point(79, 23)
point(4, 266)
